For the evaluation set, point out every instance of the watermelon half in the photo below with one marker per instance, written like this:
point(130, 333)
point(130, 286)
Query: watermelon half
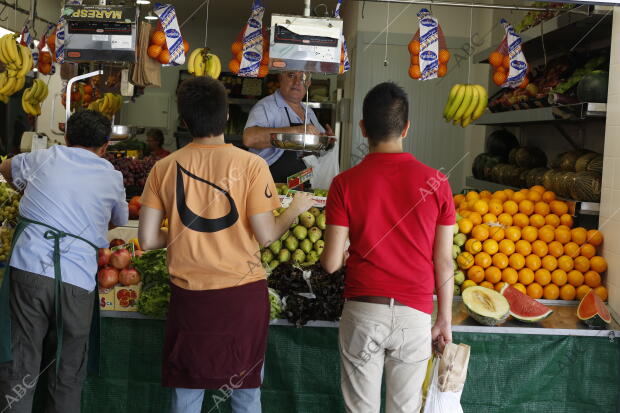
point(592, 310)
point(523, 307)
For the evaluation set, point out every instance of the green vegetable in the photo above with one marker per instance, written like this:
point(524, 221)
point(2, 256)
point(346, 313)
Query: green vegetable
point(154, 301)
point(153, 267)
point(275, 302)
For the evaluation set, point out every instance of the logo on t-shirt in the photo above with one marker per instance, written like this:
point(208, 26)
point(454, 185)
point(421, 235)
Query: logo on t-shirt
point(268, 193)
point(195, 222)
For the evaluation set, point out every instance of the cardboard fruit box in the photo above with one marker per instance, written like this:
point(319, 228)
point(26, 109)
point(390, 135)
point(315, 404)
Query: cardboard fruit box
point(126, 297)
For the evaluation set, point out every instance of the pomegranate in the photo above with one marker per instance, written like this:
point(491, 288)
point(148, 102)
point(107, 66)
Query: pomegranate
point(107, 277)
point(116, 242)
point(120, 259)
point(103, 257)
point(129, 276)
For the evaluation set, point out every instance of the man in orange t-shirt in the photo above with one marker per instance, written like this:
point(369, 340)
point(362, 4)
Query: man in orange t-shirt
point(218, 200)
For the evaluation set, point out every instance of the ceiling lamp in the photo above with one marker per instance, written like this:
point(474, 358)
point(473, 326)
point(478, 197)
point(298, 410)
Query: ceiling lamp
point(150, 16)
point(143, 2)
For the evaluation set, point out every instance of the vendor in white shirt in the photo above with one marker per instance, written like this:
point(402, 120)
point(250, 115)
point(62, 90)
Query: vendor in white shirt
point(282, 112)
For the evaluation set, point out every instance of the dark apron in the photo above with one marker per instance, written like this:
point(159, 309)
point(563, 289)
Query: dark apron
point(289, 163)
point(6, 351)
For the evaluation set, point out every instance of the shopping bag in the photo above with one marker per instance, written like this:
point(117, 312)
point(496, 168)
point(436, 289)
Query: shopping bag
point(324, 168)
point(443, 387)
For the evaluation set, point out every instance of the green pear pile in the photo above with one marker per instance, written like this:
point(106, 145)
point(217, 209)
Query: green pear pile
point(303, 243)
point(457, 245)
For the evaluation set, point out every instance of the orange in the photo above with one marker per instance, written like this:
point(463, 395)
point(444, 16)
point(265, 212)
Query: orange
point(493, 275)
point(601, 292)
point(415, 72)
point(263, 70)
point(497, 233)
point(499, 78)
point(464, 212)
point(520, 287)
point(518, 197)
point(481, 206)
point(558, 207)
point(581, 292)
point(495, 59)
point(510, 207)
point(526, 207)
point(505, 219)
point(185, 46)
point(153, 51)
point(566, 263)
point(588, 250)
point(523, 247)
point(510, 275)
point(559, 277)
point(551, 292)
point(575, 278)
point(444, 56)
point(534, 196)
point(598, 264)
point(540, 248)
point(164, 57)
point(562, 235)
point(526, 276)
point(414, 47)
point(546, 234)
point(234, 65)
point(475, 218)
point(592, 279)
point(487, 284)
point(465, 260)
point(535, 290)
point(595, 237)
point(483, 259)
point(236, 48)
point(500, 195)
point(537, 220)
point(499, 286)
point(568, 292)
point(500, 260)
point(472, 196)
point(529, 233)
point(485, 194)
point(465, 225)
point(549, 262)
point(552, 219)
point(473, 246)
point(509, 193)
point(467, 283)
point(579, 235)
point(495, 207)
point(556, 249)
point(542, 276)
point(480, 232)
point(538, 188)
point(533, 262)
point(476, 274)
point(516, 261)
point(548, 196)
point(567, 220)
point(582, 264)
point(506, 247)
point(521, 220)
point(490, 246)
point(415, 59)
point(513, 233)
point(487, 218)
point(158, 38)
point(458, 198)
point(571, 249)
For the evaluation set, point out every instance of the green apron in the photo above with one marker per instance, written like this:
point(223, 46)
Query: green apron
point(6, 352)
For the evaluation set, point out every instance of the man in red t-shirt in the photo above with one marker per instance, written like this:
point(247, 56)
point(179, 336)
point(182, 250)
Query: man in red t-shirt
point(399, 215)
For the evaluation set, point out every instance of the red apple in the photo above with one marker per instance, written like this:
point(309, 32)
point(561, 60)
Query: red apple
point(120, 259)
point(103, 257)
point(107, 277)
point(116, 242)
point(129, 276)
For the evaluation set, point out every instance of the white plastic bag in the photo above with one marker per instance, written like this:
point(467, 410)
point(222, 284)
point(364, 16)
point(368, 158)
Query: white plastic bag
point(324, 168)
point(441, 402)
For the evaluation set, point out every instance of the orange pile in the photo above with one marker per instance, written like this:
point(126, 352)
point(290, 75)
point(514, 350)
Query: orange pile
point(414, 68)
point(158, 49)
point(501, 68)
point(526, 239)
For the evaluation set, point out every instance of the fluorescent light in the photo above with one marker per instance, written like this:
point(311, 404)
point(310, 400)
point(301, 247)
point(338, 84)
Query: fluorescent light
point(143, 2)
point(150, 16)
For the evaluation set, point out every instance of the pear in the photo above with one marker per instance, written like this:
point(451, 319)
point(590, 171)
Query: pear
point(284, 255)
point(312, 257)
point(300, 232)
point(285, 235)
point(281, 210)
point(315, 211)
point(275, 246)
point(321, 221)
point(457, 290)
point(319, 246)
point(307, 219)
point(266, 256)
point(314, 234)
point(456, 229)
point(299, 256)
point(456, 250)
point(459, 239)
point(459, 277)
point(306, 245)
point(291, 243)
point(273, 264)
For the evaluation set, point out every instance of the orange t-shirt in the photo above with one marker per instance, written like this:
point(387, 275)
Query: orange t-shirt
point(208, 193)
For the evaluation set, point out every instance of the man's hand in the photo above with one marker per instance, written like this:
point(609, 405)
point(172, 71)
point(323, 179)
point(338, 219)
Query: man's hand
point(441, 334)
point(302, 201)
point(328, 130)
point(309, 129)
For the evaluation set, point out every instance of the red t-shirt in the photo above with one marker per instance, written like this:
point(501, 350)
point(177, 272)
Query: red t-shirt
point(391, 203)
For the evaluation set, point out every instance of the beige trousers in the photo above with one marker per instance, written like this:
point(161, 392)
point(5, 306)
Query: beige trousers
point(376, 339)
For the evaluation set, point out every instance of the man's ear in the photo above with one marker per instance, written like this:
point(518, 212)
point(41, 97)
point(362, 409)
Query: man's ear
point(102, 149)
point(363, 128)
point(403, 134)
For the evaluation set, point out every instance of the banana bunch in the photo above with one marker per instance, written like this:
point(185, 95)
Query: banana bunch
point(33, 97)
point(203, 63)
point(466, 103)
point(108, 105)
point(18, 61)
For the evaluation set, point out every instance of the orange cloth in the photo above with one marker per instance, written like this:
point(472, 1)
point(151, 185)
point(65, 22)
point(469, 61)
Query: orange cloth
point(208, 193)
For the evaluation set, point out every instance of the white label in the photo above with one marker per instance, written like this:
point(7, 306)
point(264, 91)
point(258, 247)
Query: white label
point(100, 37)
point(38, 142)
point(121, 42)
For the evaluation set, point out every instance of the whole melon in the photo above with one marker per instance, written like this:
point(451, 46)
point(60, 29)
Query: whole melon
point(568, 161)
point(555, 163)
point(583, 160)
point(496, 172)
point(490, 162)
point(512, 156)
point(477, 167)
point(587, 187)
point(501, 142)
point(596, 164)
point(548, 179)
point(530, 157)
point(535, 177)
point(509, 175)
point(593, 87)
point(521, 179)
point(567, 184)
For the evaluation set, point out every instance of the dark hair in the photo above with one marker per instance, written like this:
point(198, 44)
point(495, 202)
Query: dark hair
point(203, 106)
point(156, 134)
point(385, 112)
point(89, 129)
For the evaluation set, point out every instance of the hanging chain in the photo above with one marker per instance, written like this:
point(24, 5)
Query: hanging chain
point(206, 23)
point(471, 23)
point(387, 33)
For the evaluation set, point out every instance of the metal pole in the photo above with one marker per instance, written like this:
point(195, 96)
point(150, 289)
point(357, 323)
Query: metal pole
point(456, 4)
point(307, 8)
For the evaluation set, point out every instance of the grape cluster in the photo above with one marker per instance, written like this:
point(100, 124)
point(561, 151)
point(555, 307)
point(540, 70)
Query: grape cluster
point(9, 210)
point(6, 236)
point(135, 171)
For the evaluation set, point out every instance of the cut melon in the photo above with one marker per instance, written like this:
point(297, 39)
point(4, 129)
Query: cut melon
point(523, 307)
point(592, 310)
point(486, 306)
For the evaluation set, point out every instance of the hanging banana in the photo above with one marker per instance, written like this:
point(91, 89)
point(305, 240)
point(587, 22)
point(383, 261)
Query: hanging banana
point(203, 63)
